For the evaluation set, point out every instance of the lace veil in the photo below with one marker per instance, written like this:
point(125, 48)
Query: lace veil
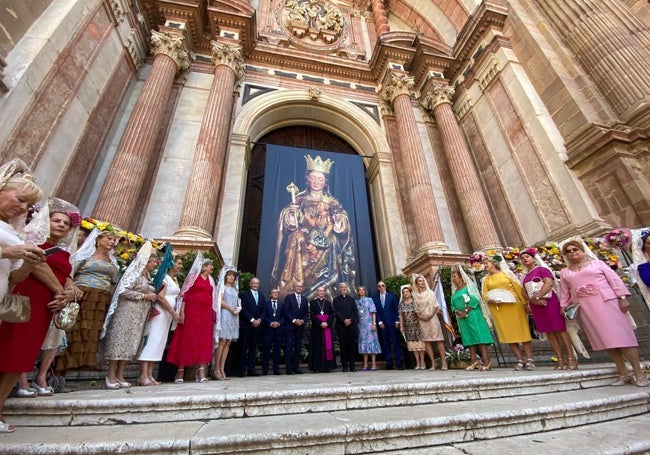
point(89, 246)
point(132, 272)
point(590, 254)
point(221, 286)
point(638, 258)
point(472, 289)
point(191, 278)
point(38, 230)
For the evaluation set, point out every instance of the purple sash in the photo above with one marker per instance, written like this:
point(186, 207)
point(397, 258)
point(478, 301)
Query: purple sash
point(327, 334)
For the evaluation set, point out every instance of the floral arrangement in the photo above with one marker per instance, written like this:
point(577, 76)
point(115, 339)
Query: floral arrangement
point(128, 243)
point(618, 238)
point(457, 355)
point(550, 253)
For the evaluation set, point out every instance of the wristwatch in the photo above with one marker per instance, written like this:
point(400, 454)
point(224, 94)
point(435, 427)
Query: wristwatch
point(623, 297)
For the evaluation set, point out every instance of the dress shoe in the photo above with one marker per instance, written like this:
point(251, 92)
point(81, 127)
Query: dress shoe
point(345, 369)
point(26, 393)
point(277, 373)
point(253, 373)
point(289, 371)
point(242, 374)
point(389, 367)
point(43, 391)
point(297, 371)
point(265, 373)
point(353, 369)
point(400, 367)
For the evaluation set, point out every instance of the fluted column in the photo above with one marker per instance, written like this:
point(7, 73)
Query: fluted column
point(119, 199)
point(380, 17)
point(474, 207)
point(200, 207)
point(606, 39)
point(418, 184)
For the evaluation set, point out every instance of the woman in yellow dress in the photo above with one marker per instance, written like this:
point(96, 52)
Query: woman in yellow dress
point(502, 291)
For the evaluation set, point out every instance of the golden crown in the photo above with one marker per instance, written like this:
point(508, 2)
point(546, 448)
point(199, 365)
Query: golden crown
point(318, 164)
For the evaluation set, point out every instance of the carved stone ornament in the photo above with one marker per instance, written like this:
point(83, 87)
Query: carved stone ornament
point(399, 84)
point(438, 94)
point(314, 93)
point(312, 24)
point(172, 46)
point(229, 55)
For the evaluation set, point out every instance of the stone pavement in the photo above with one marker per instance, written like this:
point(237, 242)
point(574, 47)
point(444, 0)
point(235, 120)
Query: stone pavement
point(365, 412)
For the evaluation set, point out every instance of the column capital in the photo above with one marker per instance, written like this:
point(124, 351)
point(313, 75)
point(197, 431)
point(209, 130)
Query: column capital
point(437, 94)
point(397, 84)
point(172, 46)
point(230, 55)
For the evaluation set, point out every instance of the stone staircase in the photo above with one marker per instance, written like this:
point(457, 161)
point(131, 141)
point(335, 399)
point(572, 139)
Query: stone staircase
point(365, 412)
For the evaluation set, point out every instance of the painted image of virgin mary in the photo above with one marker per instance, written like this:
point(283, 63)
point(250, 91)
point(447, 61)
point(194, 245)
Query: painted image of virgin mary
point(314, 244)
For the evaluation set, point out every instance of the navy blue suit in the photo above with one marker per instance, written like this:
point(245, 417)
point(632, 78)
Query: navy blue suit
point(272, 336)
point(248, 334)
point(388, 314)
point(294, 333)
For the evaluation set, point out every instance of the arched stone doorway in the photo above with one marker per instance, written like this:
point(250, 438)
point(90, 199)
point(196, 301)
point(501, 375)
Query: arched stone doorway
point(307, 137)
point(347, 124)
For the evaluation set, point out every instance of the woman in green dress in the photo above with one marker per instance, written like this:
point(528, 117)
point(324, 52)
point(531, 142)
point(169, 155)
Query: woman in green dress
point(474, 330)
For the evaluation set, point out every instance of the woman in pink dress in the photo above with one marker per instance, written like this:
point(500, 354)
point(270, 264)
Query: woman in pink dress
point(192, 341)
point(602, 297)
point(539, 287)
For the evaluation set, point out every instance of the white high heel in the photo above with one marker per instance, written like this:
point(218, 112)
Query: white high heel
point(109, 385)
point(42, 391)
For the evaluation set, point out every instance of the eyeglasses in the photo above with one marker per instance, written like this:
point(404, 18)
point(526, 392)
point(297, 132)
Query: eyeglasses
point(381, 285)
point(571, 250)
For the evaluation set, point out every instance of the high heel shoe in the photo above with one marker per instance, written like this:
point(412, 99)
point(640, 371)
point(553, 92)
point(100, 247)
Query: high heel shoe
point(124, 384)
point(487, 367)
point(474, 366)
point(26, 393)
point(198, 376)
point(109, 385)
point(560, 365)
point(573, 364)
point(42, 391)
point(179, 376)
point(145, 382)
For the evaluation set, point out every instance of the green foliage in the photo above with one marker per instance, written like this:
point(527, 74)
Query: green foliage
point(188, 260)
point(244, 281)
point(395, 282)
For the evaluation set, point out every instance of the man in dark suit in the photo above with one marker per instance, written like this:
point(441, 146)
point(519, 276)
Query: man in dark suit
point(250, 327)
point(388, 324)
point(345, 312)
point(273, 322)
point(296, 314)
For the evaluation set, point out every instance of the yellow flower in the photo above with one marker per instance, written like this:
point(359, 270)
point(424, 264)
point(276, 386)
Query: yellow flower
point(125, 255)
point(86, 225)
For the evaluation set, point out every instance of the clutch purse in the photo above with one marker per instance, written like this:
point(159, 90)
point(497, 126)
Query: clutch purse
point(572, 311)
point(501, 296)
point(15, 308)
point(66, 317)
point(534, 286)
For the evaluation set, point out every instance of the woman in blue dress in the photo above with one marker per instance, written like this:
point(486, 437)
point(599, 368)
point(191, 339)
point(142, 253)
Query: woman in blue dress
point(368, 338)
point(227, 327)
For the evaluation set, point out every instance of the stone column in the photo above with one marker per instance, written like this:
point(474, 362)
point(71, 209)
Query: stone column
point(418, 184)
point(473, 205)
point(609, 42)
point(200, 207)
point(120, 196)
point(380, 17)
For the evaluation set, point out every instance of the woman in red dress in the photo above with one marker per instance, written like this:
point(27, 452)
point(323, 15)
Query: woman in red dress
point(192, 341)
point(49, 288)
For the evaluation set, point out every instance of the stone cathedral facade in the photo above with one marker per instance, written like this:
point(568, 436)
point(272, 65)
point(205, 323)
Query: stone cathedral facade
point(481, 123)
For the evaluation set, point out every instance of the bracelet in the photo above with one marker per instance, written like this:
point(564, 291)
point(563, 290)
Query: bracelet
point(622, 297)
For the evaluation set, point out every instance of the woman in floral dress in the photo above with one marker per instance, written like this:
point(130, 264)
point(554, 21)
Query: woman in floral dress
point(367, 323)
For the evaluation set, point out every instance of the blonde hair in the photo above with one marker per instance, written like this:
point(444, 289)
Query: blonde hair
point(24, 185)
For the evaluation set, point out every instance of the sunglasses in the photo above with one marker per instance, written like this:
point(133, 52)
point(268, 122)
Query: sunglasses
point(381, 285)
point(571, 250)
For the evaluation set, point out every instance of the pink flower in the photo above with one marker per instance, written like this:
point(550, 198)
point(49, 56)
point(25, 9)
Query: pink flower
point(586, 289)
point(75, 218)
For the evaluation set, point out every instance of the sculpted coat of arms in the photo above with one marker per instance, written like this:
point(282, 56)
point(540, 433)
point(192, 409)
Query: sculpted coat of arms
point(312, 23)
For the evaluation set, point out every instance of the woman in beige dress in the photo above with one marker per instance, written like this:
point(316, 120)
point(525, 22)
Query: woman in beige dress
point(427, 309)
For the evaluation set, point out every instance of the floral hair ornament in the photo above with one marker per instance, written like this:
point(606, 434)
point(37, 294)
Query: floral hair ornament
point(530, 251)
point(496, 258)
point(618, 238)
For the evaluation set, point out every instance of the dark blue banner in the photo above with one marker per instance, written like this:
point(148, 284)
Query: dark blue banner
point(315, 222)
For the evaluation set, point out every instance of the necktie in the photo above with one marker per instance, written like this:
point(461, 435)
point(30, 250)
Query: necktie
point(255, 295)
point(298, 298)
point(382, 297)
point(275, 306)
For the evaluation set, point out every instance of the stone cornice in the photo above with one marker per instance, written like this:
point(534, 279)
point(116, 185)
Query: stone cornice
point(229, 55)
point(491, 14)
point(391, 47)
point(172, 46)
point(431, 56)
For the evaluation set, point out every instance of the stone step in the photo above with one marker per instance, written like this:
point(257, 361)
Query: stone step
point(370, 430)
point(284, 395)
